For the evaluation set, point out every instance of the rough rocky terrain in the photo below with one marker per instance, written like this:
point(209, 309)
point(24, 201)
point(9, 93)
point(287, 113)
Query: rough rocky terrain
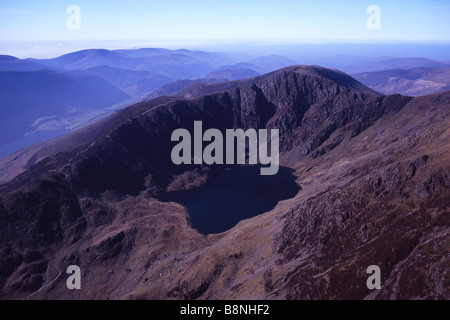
point(374, 189)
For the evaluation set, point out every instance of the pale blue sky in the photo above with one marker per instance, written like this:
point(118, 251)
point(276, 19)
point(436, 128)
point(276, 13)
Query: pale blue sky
point(231, 19)
point(187, 20)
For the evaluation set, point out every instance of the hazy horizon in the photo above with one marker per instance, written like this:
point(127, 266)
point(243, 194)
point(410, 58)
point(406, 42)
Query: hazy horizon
point(294, 50)
point(48, 29)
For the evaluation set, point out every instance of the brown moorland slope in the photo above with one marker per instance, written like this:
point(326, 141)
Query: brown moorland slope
point(373, 189)
point(412, 82)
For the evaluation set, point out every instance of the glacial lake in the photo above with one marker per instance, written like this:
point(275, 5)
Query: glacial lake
point(233, 195)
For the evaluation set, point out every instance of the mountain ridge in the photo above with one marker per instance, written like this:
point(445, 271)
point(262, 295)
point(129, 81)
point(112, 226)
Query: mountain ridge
point(220, 87)
point(201, 87)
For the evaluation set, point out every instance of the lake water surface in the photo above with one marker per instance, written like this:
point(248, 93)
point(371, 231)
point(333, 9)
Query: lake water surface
point(235, 194)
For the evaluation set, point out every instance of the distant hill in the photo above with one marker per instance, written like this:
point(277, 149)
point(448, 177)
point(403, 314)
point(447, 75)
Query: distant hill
point(354, 64)
point(173, 64)
point(271, 63)
point(408, 63)
point(412, 82)
point(226, 73)
point(151, 72)
point(172, 88)
point(142, 71)
point(33, 101)
point(130, 81)
point(63, 92)
point(10, 63)
point(233, 72)
point(90, 58)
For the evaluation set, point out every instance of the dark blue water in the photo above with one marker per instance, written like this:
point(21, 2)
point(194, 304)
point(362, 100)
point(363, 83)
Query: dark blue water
point(236, 194)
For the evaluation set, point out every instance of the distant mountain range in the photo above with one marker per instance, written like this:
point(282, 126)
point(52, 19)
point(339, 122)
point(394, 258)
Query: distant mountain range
point(413, 82)
point(132, 82)
point(46, 103)
point(10, 63)
point(355, 64)
point(234, 72)
point(125, 76)
point(87, 84)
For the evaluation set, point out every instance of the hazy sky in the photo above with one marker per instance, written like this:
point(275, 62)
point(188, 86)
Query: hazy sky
point(186, 20)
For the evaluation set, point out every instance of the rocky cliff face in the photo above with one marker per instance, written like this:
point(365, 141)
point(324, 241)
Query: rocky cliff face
point(373, 189)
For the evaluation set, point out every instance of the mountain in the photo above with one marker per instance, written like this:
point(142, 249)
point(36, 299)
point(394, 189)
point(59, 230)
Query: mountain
point(234, 72)
point(355, 64)
point(174, 64)
point(139, 72)
point(35, 101)
point(407, 63)
point(412, 82)
point(136, 72)
point(135, 83)
point(201, 88)
point(271, 63)
point(363, 181)
point(85, 59)
point(10, 63)
point(223, 74)
point(172, 89)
